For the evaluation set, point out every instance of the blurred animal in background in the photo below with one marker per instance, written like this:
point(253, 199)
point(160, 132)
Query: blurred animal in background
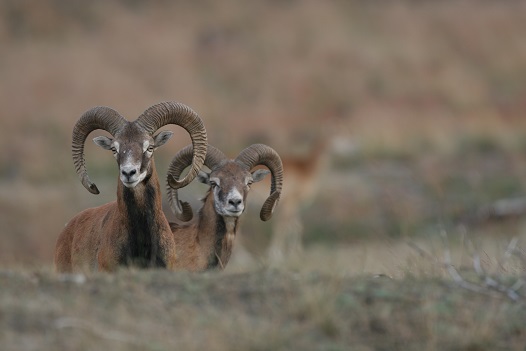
point(133, 229)
point(303, 171)
point(206, 241)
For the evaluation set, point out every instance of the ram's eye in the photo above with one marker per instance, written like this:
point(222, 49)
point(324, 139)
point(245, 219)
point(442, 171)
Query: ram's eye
point(150, 148)
point(249, 183)
point(113, 149)
point(213, 184)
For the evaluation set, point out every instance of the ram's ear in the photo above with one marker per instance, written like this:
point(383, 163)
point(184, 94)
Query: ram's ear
point(161, 138)
point(259, 175)
point(203, 177)
point(103, 142)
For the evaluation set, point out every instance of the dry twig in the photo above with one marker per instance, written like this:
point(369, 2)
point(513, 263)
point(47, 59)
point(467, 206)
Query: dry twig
point(490, 285)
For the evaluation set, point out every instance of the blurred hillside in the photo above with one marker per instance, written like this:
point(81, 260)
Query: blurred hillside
point(422, 104)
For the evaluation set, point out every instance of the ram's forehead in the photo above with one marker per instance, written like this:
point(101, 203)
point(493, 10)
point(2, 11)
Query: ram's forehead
point(231, 170)
point(131, 133)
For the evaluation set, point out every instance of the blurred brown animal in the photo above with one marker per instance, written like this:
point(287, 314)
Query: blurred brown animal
point(302, 175)
point(206, 241)
point(133, 229)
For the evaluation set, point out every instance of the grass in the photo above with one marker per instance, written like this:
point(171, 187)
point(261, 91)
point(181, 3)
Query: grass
point(261, 310)
point(432, 103)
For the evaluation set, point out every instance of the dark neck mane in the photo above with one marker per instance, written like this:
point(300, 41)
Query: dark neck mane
point(142, 208)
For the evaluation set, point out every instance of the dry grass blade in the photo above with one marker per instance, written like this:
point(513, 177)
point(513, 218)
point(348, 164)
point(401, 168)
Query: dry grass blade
point(421, 252)
point(114, 335)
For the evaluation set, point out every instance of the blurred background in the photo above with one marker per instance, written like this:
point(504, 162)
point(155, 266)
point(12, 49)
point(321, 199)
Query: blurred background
point(394, 119)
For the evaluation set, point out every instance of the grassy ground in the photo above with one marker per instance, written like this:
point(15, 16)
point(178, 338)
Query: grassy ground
point(258, 310)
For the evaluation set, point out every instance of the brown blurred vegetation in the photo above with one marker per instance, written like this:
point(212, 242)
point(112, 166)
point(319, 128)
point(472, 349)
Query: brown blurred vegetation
point(262, 310)
point(424, 101)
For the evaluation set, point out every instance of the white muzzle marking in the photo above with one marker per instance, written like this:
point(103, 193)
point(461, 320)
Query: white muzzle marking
point(129, 173)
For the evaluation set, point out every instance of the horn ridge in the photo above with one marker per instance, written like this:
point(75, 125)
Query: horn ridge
point(260, 154)
point(169, 112)
point(179, 163)
point(100, 117)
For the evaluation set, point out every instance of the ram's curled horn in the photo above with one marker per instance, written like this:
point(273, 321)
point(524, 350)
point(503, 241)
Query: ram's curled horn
point(100, 117)
point(259, 154)
point(181, 160)
point(176, 113)
point(179, 163)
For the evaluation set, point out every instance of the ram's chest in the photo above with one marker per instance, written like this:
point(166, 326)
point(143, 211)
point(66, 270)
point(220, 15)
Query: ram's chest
point(224, 242)
point(228, 239)
point(230, 230)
